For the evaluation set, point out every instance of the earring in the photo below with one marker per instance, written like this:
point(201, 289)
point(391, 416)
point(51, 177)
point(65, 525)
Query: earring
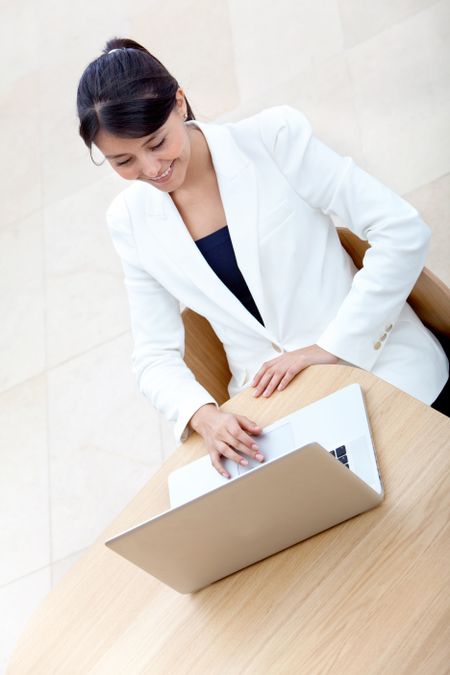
point(185, 116)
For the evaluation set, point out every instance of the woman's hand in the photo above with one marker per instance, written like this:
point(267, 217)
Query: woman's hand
point(224, 433)
point(278, 372)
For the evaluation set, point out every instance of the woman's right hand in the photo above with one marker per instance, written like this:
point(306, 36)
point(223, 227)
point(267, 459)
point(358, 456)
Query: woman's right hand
point(224, 433)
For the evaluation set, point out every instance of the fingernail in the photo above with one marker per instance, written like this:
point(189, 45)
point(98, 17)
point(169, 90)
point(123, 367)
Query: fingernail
point(225, 475)
point(255, 393)
point(266, 393)
point(244, 462)
point(259, 457)
point(254, 446)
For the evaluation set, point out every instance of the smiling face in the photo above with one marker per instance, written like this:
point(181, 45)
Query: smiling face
point(161, 158)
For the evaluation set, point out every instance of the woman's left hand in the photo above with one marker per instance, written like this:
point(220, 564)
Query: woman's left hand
point(278, 372)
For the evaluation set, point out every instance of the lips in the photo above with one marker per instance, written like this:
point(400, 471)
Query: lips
point(164, 175)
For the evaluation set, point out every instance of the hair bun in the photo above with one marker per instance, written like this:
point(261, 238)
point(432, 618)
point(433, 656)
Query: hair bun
point(122, 43)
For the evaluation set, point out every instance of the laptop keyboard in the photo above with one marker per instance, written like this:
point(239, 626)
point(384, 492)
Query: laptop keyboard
point(341, 454)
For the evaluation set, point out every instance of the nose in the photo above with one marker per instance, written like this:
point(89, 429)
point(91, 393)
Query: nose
point(149, 167)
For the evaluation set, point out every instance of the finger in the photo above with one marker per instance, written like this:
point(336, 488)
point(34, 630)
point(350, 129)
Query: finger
point(263, 384)
point(249, 425)
point(288, 376)
point(245, 444)
point(277, 377)
point(228, 451)
point(249, 441)
point(215, 461)
point(260, 373)
point(257, 377)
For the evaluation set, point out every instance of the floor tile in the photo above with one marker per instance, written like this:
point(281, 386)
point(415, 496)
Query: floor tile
point(19, 40)
point(105, 443)
point(207, 72)
point(362, 19)
point(22, 301)
point(273, 40)
point(418, 154)
point(85, 27)
point(324, 94)
point(86, 299)
point(66, 166)
point(20, 171)
point(65, 162)
point(24, 489)
point(401, 82)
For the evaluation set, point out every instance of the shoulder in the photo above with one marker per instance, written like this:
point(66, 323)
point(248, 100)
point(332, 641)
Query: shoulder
point(274, 127)
point(121, 215)
point(125, 203)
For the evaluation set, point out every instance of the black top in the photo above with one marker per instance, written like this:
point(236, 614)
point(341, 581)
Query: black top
point(217, 249)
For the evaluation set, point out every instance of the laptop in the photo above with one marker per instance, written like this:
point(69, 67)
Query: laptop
point(320, 469)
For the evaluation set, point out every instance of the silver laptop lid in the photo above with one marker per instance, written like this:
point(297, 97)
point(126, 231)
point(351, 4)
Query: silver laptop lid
point(246, 520)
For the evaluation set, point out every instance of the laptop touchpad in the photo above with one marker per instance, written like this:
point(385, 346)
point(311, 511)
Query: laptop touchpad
point(272, 444)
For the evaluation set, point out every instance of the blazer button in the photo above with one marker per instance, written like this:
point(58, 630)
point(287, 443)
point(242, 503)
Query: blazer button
point(377, 345)
point(277, 348)
point(383, 337)
point(388, 328)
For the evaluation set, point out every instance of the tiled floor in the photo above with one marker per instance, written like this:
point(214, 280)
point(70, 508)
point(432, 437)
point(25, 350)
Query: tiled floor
point(76, 439)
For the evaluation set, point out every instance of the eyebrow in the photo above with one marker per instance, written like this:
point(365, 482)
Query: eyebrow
point(123, 154)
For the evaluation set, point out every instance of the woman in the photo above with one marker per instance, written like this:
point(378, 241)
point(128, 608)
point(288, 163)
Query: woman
point(233, 221)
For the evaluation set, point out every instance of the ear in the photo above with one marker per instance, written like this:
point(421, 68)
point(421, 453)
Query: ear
point(181, 102)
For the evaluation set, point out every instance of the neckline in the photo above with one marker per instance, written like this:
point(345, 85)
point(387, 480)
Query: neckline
point(211, 234)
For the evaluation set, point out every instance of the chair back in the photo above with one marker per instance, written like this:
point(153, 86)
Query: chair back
point(205, 356)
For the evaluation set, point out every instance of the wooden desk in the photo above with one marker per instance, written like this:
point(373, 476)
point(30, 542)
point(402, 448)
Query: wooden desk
point(367, 596)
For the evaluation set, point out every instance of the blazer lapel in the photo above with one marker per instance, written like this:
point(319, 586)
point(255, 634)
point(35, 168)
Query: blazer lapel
point(239, 192)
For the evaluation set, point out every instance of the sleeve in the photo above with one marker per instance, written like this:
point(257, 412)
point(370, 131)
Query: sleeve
point(397, 235)
point(158, 333)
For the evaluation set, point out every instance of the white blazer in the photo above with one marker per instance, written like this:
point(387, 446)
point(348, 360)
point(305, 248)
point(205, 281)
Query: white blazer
point(278, 184)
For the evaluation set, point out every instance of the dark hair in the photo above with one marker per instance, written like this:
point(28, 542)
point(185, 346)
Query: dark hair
point(128, 93)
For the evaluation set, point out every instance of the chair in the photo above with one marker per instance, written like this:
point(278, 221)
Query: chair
point(205, 356)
